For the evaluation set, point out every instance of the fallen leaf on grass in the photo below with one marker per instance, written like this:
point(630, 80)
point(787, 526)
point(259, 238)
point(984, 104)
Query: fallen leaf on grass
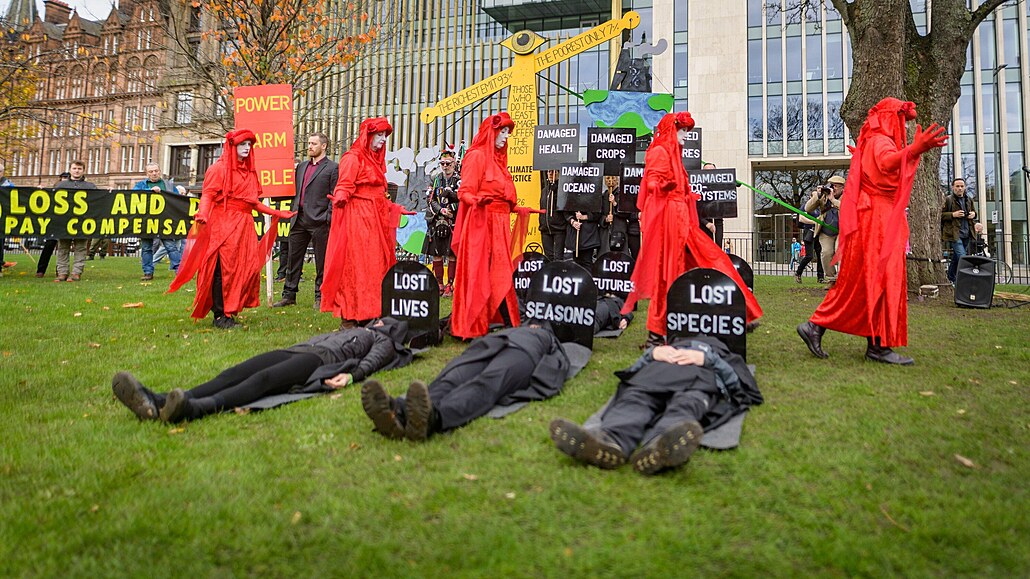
point(926, 393)
point(468, 476)
point(509, 495)
point(94, 508)
point(179, 430)
point(7, 354)
point(974, 381)
point(965, 461)
point(997, 347)
point(961, 411)
point(883, 509)
point(89, 300)
point(1013, 382)
point(334, 396)
point(868, 487)
point(77, 315)
point(567, 552)
point(106, 309)
point(241, 411)
point(295, 518)
point(94, 345)
point(397, 458)
point(354, 446)
point(133, 305)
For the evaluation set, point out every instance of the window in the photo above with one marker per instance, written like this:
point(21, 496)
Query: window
point(150, 118)
point(55, 162)
point(146, 155)
point(184, 108)
point(131, 120)
point(100, 80)
point(179, 169)
point(208, 155)
point(127, 158)
point(78, 83)
point(134, 73)
point(107, 160)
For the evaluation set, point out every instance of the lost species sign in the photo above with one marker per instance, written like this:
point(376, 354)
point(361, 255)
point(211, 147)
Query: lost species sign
point(95, 213)
point(706, 301)
point(580, 186)
point(412, 294)
point(528, 264)
point(612, 272)
point(554, 145)
point(692, 150)
point(629, 188)
point(717, 192)
point(563, 294)
point(611, 147)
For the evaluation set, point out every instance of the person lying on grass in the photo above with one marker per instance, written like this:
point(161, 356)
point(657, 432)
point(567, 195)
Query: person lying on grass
point(520, 364)
point(665, 400)
point(325, 362)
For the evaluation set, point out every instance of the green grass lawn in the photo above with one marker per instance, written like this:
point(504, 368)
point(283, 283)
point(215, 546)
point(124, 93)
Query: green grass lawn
point(850, 468)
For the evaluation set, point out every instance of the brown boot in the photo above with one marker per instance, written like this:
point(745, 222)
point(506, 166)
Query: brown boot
point(812, 335)
point(590, 446)
point(669, 449)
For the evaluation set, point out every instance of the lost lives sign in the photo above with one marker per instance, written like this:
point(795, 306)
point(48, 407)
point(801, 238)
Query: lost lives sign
point(706, 301)
point(580, 186)
point(412, 294)
point(554, 145)
point(717, 189)
point(611, 147)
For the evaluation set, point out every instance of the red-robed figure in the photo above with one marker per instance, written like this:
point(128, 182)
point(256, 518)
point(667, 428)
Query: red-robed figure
point(869, 298)
point(363, 233)
point(482, 233)
point(222, 249)
point(672, 242)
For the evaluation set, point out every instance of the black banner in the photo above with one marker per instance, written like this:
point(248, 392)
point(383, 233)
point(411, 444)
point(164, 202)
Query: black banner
point(411, 293)
point(554, 145)
point(564, 294)
point(692, 150)
point(706, 301)
point(580, 186)
point(94, 213)
point(718, 191)
point(612, 273)
point(629, 188)
point(526, 265)
point(611, 147)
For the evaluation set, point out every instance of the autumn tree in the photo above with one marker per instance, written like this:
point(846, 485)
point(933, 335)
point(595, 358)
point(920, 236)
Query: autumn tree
point(893, 58)
point(19, 74)
point(304, 43)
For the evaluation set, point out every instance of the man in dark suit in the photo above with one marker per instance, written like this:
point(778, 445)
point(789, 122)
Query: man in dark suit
point(315, 179)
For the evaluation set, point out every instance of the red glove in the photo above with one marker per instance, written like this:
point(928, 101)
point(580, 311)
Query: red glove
point(932, 138)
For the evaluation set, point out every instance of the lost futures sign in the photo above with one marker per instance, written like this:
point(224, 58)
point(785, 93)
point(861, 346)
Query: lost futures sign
point(706, 301)
point(411, 293)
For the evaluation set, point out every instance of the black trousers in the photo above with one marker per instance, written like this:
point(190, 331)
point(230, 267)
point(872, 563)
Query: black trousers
point(217, 301)
point(44, 256)
point(631, 229)
point(284, 257)
point(554, 245)
point(263, 375)
point(470, 390)
point(638, 415)
point(812, 252)
point(301, 235)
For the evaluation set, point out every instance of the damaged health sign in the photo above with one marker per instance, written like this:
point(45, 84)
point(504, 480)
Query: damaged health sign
point(69, 214)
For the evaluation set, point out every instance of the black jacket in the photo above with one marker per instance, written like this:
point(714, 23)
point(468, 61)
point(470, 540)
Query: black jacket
point(316, 210)
point(553, 221)
point(359, 352)
point(75, 184)
point(589, 232)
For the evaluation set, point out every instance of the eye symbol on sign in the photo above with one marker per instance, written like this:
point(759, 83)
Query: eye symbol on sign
point(523, 42)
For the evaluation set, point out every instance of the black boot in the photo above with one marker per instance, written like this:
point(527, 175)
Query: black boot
point(379, 406)
point(812, 335)
point(653, 340)
point(877, 353)
point(135, 396)
point(669, 449)
point(590, 446)
point(176, 408)
point(421, 418)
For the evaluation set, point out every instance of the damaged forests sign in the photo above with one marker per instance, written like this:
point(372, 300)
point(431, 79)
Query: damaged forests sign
point(580, 186)
point(563, 294)
point(706, 301)
point(411, 293)
point(629, 187)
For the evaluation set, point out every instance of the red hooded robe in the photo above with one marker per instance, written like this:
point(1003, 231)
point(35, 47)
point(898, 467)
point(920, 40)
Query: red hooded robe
point(869, 298)
point(482, 234)
point(363, 233)
point(230, 194)
point(672, 242)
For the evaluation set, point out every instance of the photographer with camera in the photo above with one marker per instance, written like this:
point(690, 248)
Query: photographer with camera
point(825, 204)
point(958, 220)
point(440, 214)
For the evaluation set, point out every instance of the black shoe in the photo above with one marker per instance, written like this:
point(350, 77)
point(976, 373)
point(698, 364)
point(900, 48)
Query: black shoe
point(887, 356)
point(175, 408)
point(285, 302)
point(280, 279)
point(812, 335)
point(318, 302)
point(751, 326)
point(591, 447)
point(418, 411)
point(670, 449)
point(130, 392)
point(653, 341)
point(225, 323)
point(379, 407)
point(797, 277)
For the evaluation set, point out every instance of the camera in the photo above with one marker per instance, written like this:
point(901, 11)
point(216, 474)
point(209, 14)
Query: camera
point(825, 189)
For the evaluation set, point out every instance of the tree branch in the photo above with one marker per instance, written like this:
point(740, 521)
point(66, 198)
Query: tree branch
point(983, 11)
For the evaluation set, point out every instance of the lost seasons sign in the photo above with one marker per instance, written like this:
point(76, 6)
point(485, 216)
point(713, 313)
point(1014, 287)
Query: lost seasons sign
point(611, 148)
point(411, 293)
point(563, 294)
point(554, 145)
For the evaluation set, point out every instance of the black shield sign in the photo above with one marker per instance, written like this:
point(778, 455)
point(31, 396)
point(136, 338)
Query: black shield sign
point(717, 189)
point(611, 147)
point(692, 150)
point(563, 294)
point(411, 293)
point(629, 187)
point(554, 145)
point(745, 271)
point(612, 273)
point(526, 265)
point(580, 186)
point(706, 301)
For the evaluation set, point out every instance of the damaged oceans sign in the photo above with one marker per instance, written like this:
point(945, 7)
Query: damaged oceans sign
point(564, 294)
point(411, 293)
point(554, 145)
point(612, 273)
point(692, 150)
point(629, 187)
point(706, 301)
point(525, 266)
point(580, 186)
point(611, 147)
point(717, 192)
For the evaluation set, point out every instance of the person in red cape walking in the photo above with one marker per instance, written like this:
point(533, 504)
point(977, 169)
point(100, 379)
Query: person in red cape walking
point(222, 249)
point(363, 234)
point(672, 241)
point(869, 298)
point(482, 234)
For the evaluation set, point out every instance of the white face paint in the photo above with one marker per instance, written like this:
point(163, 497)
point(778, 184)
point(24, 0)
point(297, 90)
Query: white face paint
point(502, 136)
point(681, 135)
point(243, 150)
point(378, 140)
